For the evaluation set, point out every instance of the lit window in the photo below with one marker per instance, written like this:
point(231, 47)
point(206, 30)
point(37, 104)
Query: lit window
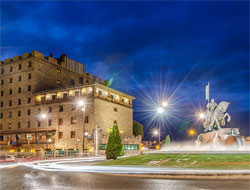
point(58, 82)
point(58, 70)
point(73, 120)
point(60, 135)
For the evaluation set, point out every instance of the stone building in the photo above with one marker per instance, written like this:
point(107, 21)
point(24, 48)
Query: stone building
point(33, 86)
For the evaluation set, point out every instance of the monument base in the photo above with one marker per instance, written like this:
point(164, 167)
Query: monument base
point(225, 137)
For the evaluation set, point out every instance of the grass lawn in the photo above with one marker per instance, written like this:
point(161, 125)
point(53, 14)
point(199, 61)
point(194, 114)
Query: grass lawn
point(199, 161)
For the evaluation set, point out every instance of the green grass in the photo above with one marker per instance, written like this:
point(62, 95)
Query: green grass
point(199, 161)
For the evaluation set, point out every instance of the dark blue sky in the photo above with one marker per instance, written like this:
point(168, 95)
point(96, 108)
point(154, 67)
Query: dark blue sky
point(152, 50)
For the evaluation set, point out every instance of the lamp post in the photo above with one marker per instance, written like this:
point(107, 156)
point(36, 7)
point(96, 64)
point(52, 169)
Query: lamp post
point(160, 110)
point(82, 105)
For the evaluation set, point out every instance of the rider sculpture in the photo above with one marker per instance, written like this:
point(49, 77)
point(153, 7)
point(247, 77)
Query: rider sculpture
point(215, 115)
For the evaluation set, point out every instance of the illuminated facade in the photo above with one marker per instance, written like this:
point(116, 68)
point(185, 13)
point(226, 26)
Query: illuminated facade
point(33, 85)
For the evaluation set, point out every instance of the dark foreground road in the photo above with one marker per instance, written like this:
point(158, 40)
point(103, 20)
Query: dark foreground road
point(23, 177)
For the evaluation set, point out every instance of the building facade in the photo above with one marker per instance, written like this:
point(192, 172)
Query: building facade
point(40, 112)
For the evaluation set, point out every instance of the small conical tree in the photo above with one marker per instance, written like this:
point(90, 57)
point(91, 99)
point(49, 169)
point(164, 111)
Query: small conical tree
point(114, 145)
point(167, 140)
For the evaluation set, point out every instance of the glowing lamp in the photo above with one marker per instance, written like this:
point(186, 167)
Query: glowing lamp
point(43, 116)
point(164, 104)
point(202, 115)
point(160, 110)
point(80, 103)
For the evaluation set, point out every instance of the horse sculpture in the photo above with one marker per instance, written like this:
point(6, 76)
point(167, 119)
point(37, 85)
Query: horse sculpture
point(217, 117)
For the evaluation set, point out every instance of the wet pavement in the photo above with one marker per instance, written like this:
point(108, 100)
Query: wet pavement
point(24, 177)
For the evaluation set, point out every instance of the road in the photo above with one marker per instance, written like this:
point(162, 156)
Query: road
point(15, 177)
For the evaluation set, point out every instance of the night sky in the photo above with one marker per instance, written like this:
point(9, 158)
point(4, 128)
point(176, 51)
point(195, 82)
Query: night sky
point(152, 50)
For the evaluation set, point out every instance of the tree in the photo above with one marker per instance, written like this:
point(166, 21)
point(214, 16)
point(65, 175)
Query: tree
point(167, 140)
point(114, 146)
point(137, 129)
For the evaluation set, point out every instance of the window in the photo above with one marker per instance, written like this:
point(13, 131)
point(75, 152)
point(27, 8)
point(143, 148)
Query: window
point(29, 100)
point(28, 124)
point(19, 90)
point(99, 92)
point(11, 69)
point(60, 135)
point(29, 76)
point(1, 115)
point(11, 80)
point(53, 97)
point(1, 104)
point(1, 127)
point(72, 134)
point(19, 66)
point(115, 109)
point(80, 80)
point(103, 147)
point(49, 122)
point(1, 93)
point(18, 125)
point(2, 71)
point(10, 114)
point(73, 120)
point(38, 123)
point(29, 88)
point(10, 102)
point(58, 70)
point(77, 93)
point(20, 78)
point(58, 82)
point(87, 82)
point(19, 113)
point(115, 122)
point(29, 137)
point(60, 121)
point(39, 110)
point(50, 109)
point(60, 108)
point(28, 112)
point(72, 82)
point(10, 92)
point(29, 64)
point(19, 101)
point(9, 125)
point(2, 82)
point(86, 119)
point(65, 95)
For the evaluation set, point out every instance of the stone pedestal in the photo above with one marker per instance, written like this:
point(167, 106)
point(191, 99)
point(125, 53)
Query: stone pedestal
point(225, 136)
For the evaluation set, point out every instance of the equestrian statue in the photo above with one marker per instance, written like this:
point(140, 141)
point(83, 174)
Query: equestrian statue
point(215, 115)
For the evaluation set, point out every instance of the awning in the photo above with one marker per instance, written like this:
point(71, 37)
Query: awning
point(27, 131)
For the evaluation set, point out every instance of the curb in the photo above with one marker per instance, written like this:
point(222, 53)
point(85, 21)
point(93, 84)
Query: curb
point(224, 176)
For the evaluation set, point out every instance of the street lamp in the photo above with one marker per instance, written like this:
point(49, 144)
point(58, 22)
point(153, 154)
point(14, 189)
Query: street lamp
point(201, 115)
point(160, 110)
point(82, 104)
point(164, 104)
point(44, 116)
